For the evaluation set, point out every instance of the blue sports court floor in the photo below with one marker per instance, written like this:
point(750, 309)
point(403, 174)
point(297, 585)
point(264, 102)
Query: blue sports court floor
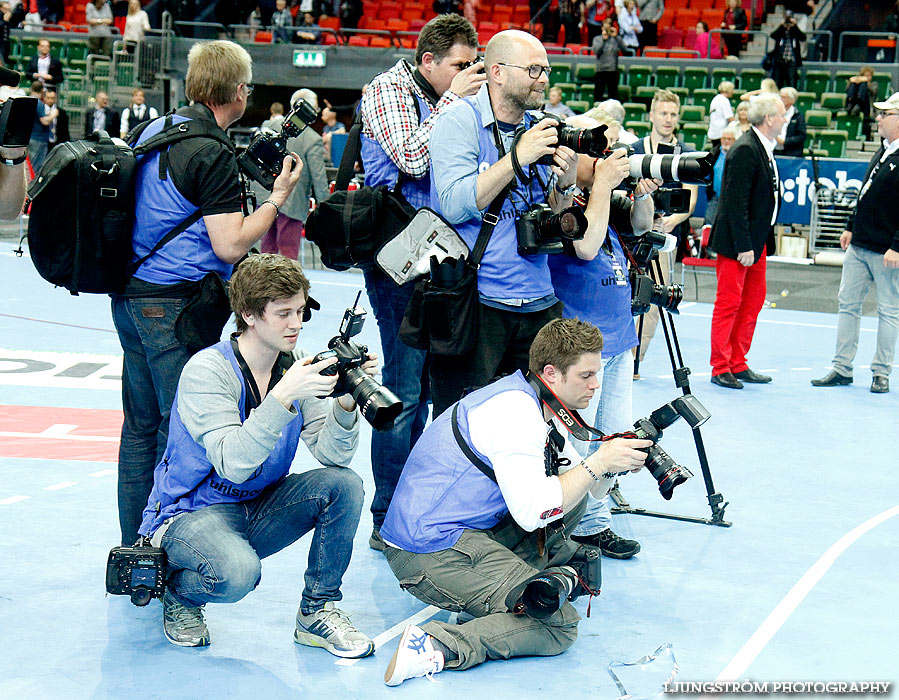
point(801, 588)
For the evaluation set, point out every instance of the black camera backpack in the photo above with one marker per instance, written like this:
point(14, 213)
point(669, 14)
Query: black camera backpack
point(350, 226)
point(82, 207)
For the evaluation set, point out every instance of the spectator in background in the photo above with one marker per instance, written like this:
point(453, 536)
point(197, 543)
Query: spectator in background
point(282, 22)
point(101, 117)
point(59, 124)
point(734, 19)
point(719, 152)
point(791, 139)
point(596, 13)
point(861, 90)
point(701, 42)
point(286, 231)
point(786, 59)
point(136, 113)
point(615, 110)
point(6, 16)
point(606, 47)
point(51, 11)
point(767, 85)
point(351, 13)
point(629, 24)
point(98, 16)
point(276, 118)
point(651, 12)
point(308, 32)
point(40, 132)
point(45, 68)
point(741, 117)
point(802, 10)
point(570, 17)
point(136, 24)
point(332, 126)
point(720, 111)
point(555, 106)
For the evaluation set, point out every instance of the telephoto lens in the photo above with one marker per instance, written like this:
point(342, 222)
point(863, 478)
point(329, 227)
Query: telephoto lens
point(379, 406)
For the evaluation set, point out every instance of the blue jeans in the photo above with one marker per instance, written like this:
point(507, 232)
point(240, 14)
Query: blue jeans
point(405, 373)
point(613, 415)
point(214, 553)
point(860, 268)
point(153, 362)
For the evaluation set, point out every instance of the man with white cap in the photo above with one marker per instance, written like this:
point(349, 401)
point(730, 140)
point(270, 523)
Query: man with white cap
point(871, 242)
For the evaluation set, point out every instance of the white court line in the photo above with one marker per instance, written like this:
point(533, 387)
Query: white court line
point(44, 436)
point(395, 631)
point(788, 323)
point(61, 485)
point(760, 638)
point(13, 499)
point(58, 430)
point(102, 472)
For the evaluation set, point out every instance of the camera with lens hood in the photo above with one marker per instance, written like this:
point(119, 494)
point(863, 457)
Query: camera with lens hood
point(663, 468)
point(591, 142)
point(379, 405)
point(541, 230)
point(541, 596)
point(264, 156)
point(138, 571)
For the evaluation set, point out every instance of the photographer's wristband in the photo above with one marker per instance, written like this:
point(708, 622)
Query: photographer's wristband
point(642, 197)
point(274, 204)
point(590, 471)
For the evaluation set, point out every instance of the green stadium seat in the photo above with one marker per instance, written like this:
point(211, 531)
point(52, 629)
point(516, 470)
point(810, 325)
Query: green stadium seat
point(634, 111)
point(578, 106)
point(692, 113)
point(584, 72)
point(667, 76)
point(806, 101)
point(585, 93)
point(811, 136)
point(818, 118)
point(624, 93)
point(751, 78)
point(884, 89)
point(639, 76)
point(681, 92)
point(841, 77)
point(695, 134)
point(833, 101)
point(850, 123)
point(569, 91)
point(833, 141)
point(694, 78)
point(719, 74)
point(641, 129)
point(735, 98)
point(645, 94)
point(76, 54)
point(559, 73)
point(817, 81)
point(704, 96)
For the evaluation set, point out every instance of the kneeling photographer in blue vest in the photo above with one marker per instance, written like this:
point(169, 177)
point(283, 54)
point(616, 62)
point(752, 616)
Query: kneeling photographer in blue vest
point(222, 497)
point(479, 520)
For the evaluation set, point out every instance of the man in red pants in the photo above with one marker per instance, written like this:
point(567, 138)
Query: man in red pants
point(742, 235)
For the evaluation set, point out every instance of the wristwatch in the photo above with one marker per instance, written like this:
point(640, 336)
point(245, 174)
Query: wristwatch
point(570, 191)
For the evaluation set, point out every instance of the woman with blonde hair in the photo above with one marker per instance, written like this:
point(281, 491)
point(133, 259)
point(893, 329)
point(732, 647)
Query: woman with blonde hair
point(741, 117)
point(136, 24)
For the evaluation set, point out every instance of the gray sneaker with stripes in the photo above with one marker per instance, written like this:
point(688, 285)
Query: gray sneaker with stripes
point(331, 629)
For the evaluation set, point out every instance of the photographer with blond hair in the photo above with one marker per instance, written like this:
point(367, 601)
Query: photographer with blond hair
point(193, 186)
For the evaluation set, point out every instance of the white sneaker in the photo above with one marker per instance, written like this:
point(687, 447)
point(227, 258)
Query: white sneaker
point(331, 629)
point(414, 656)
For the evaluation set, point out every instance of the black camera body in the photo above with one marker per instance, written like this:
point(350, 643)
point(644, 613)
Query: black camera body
point(663, 468)
point(592, 142)
point(16, 121)
point(138, 571)
point(379, 405)
point(541, 230)
point(645, 292)
point(264, 156)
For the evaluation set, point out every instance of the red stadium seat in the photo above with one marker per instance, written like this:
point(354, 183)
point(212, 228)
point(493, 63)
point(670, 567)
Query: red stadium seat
point(329, 23)
point(358, 40)
point(380, 42)
point(686, 19)
point(263, 38)
point(669, 38)
point(397, 25)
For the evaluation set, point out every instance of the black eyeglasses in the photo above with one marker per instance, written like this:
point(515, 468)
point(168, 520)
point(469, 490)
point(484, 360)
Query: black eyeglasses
point(249, 88)
point(884, 115)
point(534, 72)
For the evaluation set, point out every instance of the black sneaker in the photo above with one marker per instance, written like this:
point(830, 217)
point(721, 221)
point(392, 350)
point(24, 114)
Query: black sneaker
point(615, 547)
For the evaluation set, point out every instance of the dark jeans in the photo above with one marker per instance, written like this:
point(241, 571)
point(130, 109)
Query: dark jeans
point(650, 35)
point(153, 362)
point(572, 30)
point(405, 373)
point(784, 74)
point(214, 553)
point(603, 81)
point(502, 346)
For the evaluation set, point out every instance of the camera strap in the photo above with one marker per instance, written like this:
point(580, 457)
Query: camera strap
point(570, 418)
point(253, 396)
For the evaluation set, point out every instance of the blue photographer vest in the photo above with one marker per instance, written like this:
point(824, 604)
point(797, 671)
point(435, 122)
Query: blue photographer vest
point(185, 480)
point(591, 291)
point(440, 492)
point(159, 208)
point(380, 170)
point(504, 274)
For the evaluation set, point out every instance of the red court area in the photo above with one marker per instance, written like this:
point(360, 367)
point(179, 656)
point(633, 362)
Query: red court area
point(48, 432)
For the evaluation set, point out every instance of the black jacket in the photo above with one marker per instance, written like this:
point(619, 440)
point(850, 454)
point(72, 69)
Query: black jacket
point(875, 224)
point(62, 127)
point(794, 141)
point(793, 34)
point(112, 121)
point(55, 70)
point(746, 202)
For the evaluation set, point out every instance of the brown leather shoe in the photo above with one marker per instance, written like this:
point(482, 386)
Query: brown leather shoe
point(727, 380)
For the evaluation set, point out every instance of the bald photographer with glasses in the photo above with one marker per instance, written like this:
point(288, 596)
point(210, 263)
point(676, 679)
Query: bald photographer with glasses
point(476, 145)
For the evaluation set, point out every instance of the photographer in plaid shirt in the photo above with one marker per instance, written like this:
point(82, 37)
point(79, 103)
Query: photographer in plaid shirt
point(398, 111)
